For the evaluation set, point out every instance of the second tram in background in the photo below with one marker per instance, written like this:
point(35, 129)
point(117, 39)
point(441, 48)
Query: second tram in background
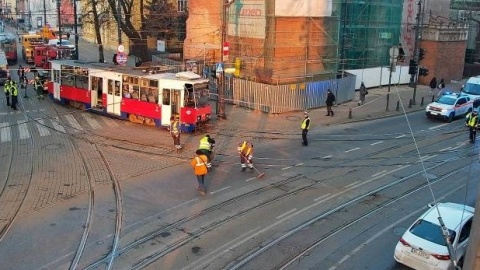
point(8, 44)
point(150, 98)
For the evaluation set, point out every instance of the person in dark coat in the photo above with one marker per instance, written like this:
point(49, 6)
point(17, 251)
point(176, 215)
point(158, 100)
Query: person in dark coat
point(433, 85)
point(362, 92)
point(329, 102)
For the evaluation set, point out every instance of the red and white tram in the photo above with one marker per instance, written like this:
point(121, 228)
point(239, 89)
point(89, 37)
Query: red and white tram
point(133, 94)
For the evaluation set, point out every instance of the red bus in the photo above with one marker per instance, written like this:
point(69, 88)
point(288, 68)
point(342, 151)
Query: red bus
point(150, 97)
point(8, 43)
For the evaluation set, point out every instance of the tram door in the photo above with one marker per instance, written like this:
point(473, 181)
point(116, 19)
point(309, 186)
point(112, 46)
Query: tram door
point(171, 102)
point(56, 78)
point(114, 95)
point(96, 88)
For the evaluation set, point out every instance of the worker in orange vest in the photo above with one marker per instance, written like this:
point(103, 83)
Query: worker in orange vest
point(199, 165)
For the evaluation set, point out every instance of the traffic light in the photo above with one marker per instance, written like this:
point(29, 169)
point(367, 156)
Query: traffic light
point(412, 67)
point(421, 54)
point(423, 72)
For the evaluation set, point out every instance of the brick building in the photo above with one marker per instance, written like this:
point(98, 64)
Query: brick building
point(445, 46)
point(273, 44)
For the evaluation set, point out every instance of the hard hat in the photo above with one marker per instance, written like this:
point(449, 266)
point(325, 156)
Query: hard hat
point(305, 113)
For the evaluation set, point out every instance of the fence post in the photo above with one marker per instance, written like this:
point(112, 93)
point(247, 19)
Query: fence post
point(433, 97)
point(350, 113)
point(421, 103)
point(410, 103)
point(398, 105)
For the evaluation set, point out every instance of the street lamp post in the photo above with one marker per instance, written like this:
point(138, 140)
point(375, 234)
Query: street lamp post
point(221, 93)
point(59, 22)
point(75, 28)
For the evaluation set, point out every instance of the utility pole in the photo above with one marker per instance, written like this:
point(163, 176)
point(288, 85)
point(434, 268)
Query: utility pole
point(393, 52)
point(75, 28)
point(59, 22)
point(221, 91)
point(44, 12)
point(416, 49)
point(119, 22)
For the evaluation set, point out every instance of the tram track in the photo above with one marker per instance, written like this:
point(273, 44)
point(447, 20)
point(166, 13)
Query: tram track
point(243, 200)
point(18, 180)
point(84, 149)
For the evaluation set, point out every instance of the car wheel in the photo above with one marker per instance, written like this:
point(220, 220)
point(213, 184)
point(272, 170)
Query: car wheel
point(450, 118)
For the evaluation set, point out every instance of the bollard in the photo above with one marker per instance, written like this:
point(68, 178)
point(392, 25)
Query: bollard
point(350, 113)
point(410, 103)
point(398, 106)
point(433, 98)
point(421, 103)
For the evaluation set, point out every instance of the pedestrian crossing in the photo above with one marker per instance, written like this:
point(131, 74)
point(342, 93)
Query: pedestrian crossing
point(22, 129)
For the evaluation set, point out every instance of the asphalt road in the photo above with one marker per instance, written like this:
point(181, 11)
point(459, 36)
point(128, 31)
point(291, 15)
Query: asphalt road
point(82, 191)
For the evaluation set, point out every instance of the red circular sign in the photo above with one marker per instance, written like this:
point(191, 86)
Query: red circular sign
point(121, 58)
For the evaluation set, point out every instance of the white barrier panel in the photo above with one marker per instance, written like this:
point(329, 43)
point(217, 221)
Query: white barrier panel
point(378, 76)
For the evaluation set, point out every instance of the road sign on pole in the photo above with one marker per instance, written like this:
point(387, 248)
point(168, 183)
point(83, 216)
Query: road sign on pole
point(121, 58)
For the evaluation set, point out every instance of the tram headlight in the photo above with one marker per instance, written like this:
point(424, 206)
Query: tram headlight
point(199, 118)
point(207, 116)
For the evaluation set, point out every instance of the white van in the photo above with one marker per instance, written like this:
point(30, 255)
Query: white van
point(472, 87)
point(3, 68)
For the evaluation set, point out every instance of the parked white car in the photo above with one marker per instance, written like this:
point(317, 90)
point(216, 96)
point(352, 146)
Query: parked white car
point(423, 245)
point(449, 106)
point(65, 43)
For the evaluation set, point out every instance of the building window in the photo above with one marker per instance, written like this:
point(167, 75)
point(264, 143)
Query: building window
point(182, 5)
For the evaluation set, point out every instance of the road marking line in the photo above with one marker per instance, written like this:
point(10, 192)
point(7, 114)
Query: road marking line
point(299, 164)
point(41, 127)
point(93, 123)
point(222, 189)
point(437, 126)
point(250, 179)
point(57, 126)
point(287, 213)
point(322, 197)
point(110, 122)
point(379, 173)
point(327, 157)
point(400, 136)
point(23, 129)
point(445, 149)
point(73, 122)
point(5, 135)
point(351, 184)
point(375, 143)
point(286, 168)
point(353, 149)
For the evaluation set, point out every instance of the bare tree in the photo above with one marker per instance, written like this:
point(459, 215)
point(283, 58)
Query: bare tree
point(96, 12)
point(158, 18)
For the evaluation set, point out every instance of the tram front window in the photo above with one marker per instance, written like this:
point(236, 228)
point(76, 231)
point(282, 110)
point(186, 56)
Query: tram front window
point(201, 94)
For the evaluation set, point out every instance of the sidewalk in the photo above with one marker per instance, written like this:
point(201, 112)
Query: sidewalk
point(375, 106)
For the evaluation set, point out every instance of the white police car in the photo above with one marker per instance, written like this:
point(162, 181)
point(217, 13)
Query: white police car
point(449, 106)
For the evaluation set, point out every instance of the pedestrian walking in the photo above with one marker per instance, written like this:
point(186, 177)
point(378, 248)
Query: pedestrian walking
point(329, 102)
point(175, 132)
point(14, 93)
point(440, 87)
point(305, 126)
point(21, 73)
point(205, 146)
point(39, 88)
point(199, 164)
point(471, 120)
point(433, 85)
point(245, 150)
point(6, 89)
point(362, 92)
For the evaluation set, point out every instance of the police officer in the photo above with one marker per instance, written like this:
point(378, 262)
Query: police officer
point(472, 121)
point(14, 91)
point(38, 87)
point(6, 88)
point(305, 126)
point(206, 146)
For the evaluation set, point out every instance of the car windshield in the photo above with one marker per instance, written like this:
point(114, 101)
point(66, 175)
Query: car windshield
point(430, 232)
point(64, 42)
point(472, 89)
point(446, 100)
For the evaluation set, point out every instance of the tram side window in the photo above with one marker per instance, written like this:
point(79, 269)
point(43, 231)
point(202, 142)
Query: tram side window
point(117, 88)
point(130, 88)
point(68, 78)
point(81, 78)
point(166, 96)
point(189, 96)
point(56, 76)
point(110, 87)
